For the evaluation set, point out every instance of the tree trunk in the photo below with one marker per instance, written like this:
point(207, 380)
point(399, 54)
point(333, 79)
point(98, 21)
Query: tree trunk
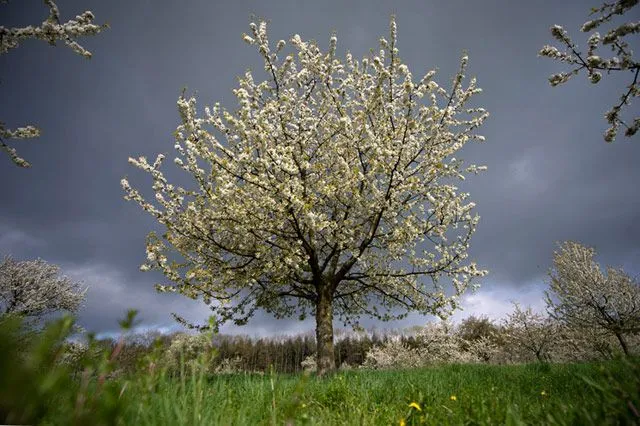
point(623, 343)
point(324, 331)
point(539, 356)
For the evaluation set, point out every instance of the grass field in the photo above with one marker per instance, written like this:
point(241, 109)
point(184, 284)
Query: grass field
point(577, 394)
point(37, 388)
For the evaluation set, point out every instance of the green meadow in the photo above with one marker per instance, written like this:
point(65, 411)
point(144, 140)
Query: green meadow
point(38, 385)
point(572, 394)
point(36, 388)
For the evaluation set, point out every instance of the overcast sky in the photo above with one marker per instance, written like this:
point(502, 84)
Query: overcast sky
point(550, 177)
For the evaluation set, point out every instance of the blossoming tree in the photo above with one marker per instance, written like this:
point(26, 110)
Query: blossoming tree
point(529, 333)
point(622, 59)
point(51, 31)
point(329, 190)
point(581, 296)
point(34, 289)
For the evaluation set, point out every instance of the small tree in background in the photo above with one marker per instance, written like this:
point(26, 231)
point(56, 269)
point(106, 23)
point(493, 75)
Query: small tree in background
point(529, 333)
point(582, 297)
point(328, 191)
point(35, 288)
point(622, 59)
point(51, 31)
point(480, 337)
point(439, 342)
point(475, 328)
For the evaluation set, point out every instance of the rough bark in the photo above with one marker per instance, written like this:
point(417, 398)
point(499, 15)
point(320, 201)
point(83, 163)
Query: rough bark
point(623, 343)
point(324, 331)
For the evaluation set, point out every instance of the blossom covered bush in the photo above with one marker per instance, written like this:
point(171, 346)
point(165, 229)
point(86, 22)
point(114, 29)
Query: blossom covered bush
point(309, 364)
point(229, 366)
point(524, 336)
point(393, 354)
point(485, 349)
point(436, 343)
point(194, 351)
point(581, 344)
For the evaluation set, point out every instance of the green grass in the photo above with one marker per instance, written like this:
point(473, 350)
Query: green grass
point(484, 395)
point(35, 388)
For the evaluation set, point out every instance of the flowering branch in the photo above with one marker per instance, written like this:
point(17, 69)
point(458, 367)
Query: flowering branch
point(50, 30)
point(621, 61)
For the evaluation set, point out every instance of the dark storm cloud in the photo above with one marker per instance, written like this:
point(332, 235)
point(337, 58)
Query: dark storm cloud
point(550, 178)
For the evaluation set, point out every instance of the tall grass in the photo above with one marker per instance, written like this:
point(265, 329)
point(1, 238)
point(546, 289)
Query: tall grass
point(35, 388)
point(579, 394)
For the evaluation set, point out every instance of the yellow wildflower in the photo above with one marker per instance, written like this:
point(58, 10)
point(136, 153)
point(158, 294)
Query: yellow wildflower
point(543, 393)
point(453, 398)
point(416, 406)
point(402, 422)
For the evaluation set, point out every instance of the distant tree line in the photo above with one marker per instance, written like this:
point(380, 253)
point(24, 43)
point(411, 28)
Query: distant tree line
point(523, 336)
point(591, 314)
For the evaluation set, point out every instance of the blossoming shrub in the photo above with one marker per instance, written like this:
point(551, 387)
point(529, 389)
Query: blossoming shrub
point(485, 349)
point(392, 354)
point(436, 343)
point(530, 336)
point(582, 296)
point(35, 289)
point(229, 366)
point(309, 364)
point(440, 343)
point(195, 351)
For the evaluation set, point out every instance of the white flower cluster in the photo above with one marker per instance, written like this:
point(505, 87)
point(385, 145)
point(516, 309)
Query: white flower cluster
point(19, 133)
point(622, 59)
point(331, 184)
point(73, 353)
point(309, 364)
point(34, 288)
point(50, 30)
point(190, 350)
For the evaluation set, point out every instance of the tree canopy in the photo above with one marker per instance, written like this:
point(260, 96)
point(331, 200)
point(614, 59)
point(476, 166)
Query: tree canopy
point(35, 288)
point(583, 297)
